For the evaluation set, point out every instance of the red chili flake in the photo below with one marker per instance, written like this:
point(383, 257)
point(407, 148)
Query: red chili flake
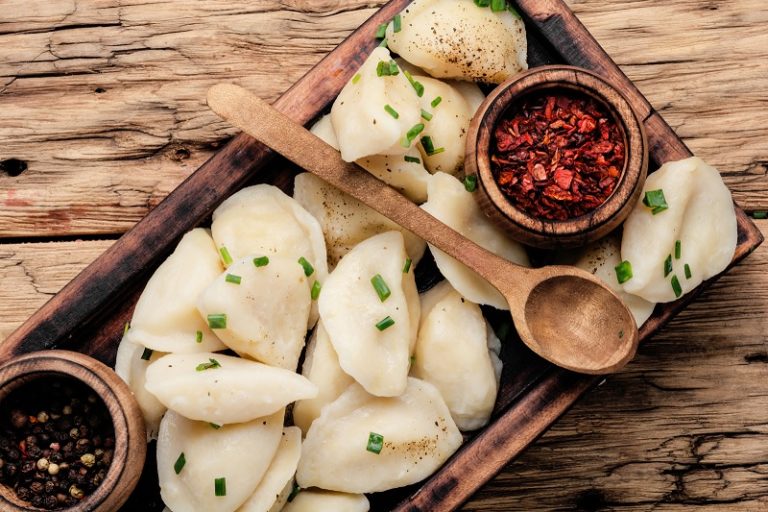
point(557, 157)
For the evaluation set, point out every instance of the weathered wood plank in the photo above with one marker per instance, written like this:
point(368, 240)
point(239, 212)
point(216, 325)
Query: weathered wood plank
point(104, 100)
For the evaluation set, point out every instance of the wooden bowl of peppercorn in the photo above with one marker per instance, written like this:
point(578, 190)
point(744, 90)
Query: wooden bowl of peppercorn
point(560, 156)
point(72, 436)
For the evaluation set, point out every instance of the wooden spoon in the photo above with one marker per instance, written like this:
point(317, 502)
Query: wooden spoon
point(564, 314)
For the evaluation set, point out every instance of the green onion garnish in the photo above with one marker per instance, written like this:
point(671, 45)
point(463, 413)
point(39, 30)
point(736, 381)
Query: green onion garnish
point(470, 182)
point(147, 354)
point(381, 32)
point(225, 256)
point(308, 268)
point(356, 78)
point(391, 111)
point(498, 5)
point(654, 199)
point(678, 249)
point(232, 278)
point(296, 490)
point(482, 3)
point(760, 215)
point(220, 486)
point(412, 159)
point(217, 321)
point(375, 443)
point(210, 365)
point(407, 266)
point(199, 336)
point(436, 101)
point(126, 328)
point(315, 292)
point(426, 115)
point(383, 43)
point(180, 463)
point(397, 23)
point(385, 323)
point(214, 426)
point(387, 68)
point(668, 266)
point(688, 271)
point(412, 134)
point(676, 287)
point(417, 86)
point(429, 147)
point(382, 290)
point(261, 261)
point(623, 272)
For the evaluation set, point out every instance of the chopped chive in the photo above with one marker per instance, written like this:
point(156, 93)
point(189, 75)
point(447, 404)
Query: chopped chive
point(220, 486)
point(296, 490)
point(308, 268)
point(381, 32)
point(436, 101)
point(514, 12)
point(356, 78)
point(217, 321)
point(225, 256)
point(383, 43)
point(214, 426)
point(760, 215)
point(498, 5)
point(315, 292)
point(678, 249)
point(385, 323)
point(126, 328)
point(391, 111)
point(397, 23)
point(407, 266)
point(232, 278)
point(180, 463)
point(654, 199)
point(676, 286)
point(147, 354)
point(426, 115)
point(482, 3)
point(417, 86)
point(261, 261)
point(412, 159)
point(212, 364)
point(384, 68)
point(688, 273)
point(436, 151)
point(375, 443)
point(199, 336)
point(412, 134)
point(429, 147)
point(668, 266)
point(470, 182)
point(393, 69)
point(623, 272)
point(382, 290)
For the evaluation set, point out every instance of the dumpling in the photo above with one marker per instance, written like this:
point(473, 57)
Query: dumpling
point(131, 365)
point(346, 221)
point(321, 367)
point(700, 216)
point(372, 336)
point(166, 317)
point(452, 353)
point(403, 172)
point(193, 456)
point(223, 389)
point(262, 221)
point(413, 434)
point(601, 259)
point(265, 309)
point(450, 203)
point(458, 39)
point(277, 484)
point(361, 121)
point(327, 501)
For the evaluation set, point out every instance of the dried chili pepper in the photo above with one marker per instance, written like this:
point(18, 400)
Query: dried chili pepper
point(557, 157)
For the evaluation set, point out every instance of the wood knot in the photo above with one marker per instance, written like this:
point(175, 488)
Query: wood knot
point(180, 154)
point(13, 167)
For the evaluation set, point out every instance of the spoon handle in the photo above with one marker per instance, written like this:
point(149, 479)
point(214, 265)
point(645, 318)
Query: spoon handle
point(273, 129)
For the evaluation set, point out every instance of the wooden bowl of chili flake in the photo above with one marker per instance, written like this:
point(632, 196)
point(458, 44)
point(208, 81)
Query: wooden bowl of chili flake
point(560, 156)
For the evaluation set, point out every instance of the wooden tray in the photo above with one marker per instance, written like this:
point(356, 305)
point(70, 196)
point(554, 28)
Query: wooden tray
point(89, 313)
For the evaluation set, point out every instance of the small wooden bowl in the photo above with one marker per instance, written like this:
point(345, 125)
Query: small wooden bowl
point(577, 231)
point(130, 435)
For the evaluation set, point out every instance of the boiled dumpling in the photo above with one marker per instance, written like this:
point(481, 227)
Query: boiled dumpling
point(265, 309)
point(452, 353)
point(403, 172)
point(458, 39)
point(700, 216)
point(262, 221)
point(346, 221)
point(450, 202)
point(166, 317)
point(339, 452)
point(223, 389)
point(321, 367)
point(131, 365)
point(601, 259)
point(327, 501)
point(277, 484)
point(372, 337)
point(362, 124)
point(192, 456)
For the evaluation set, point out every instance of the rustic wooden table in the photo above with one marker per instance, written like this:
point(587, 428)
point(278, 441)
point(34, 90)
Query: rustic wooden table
point(102, 113)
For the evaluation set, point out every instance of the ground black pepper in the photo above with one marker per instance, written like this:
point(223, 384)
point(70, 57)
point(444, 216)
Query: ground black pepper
point(56, 442)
